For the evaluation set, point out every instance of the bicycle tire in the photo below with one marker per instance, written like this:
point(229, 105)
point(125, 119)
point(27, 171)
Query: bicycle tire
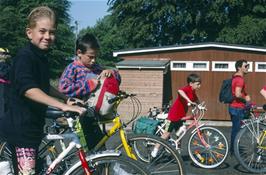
point(212, 156)
point(125, 165)
point(247, 150)
point(168, 160)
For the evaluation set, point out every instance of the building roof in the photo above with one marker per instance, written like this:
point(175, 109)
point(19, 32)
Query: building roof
point(142, 64)
point(190, 46)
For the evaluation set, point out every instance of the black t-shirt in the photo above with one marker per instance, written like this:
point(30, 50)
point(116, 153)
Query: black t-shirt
point(23, 124)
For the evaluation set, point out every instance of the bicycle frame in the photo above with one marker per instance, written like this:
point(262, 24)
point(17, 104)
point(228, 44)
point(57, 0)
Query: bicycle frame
point(196, 116)
point(118, 126)
point(74, 143)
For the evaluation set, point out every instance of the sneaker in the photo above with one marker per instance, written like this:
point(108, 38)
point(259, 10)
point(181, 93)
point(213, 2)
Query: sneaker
point(154, 152)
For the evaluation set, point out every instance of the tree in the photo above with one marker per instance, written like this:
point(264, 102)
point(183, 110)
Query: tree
point(13, 19)
point(250, 27)
point(109, 40)
point(144, 23)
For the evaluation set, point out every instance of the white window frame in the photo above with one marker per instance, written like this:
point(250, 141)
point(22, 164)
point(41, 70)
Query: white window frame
point(189, 66)
point(257, 67)
point(231, 66)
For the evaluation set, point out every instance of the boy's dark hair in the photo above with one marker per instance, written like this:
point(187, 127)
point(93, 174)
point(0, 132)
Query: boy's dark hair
point(87, 41)
point(239, 63)
point(192, 78)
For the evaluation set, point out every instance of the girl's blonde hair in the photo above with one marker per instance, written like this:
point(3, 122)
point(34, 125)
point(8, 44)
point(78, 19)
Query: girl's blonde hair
point(40, 12)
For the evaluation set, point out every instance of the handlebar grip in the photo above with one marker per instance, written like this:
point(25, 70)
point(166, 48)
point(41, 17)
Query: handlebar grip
point(69, 114)
point(112, 100)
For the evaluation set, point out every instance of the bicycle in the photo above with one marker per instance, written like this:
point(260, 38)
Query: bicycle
point(250, 142)
point(129, 144)
point(104, 162)
point(207, 146)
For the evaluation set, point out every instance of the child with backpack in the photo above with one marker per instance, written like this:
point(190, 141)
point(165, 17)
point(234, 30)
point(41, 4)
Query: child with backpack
point(79, 80)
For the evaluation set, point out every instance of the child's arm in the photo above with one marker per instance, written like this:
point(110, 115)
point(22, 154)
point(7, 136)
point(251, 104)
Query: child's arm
point(75, 87)
point(55, 93)
point(183, 94)
point(39, 96)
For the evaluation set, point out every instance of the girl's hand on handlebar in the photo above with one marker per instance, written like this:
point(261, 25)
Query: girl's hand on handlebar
point(71, 108)
point(73, 101)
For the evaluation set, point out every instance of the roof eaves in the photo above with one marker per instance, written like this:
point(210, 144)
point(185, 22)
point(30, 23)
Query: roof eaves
point(158, 49)
point(139, 67)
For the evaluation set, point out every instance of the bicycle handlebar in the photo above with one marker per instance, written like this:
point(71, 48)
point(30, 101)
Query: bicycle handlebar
point(254, 107)
point(121, 95)
point(201, 106)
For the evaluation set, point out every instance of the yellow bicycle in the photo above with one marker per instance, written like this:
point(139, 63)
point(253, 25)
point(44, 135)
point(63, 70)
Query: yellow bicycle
point(140, 146)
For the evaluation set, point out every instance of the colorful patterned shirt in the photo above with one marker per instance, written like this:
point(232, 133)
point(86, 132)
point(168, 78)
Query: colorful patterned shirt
point(76, 80)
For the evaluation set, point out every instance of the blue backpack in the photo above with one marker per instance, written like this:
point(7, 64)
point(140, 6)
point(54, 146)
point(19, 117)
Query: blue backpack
point(226, 95)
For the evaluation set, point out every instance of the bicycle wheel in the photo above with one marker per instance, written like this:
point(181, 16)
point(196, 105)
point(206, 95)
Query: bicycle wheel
point(168, 161)
point(250, 147)
point(110, 165)
point(212, 155)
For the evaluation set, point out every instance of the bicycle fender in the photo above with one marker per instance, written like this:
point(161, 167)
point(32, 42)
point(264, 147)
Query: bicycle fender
point(104, 153)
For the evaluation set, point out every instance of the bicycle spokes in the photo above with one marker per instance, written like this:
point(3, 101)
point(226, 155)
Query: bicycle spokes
point(208, 148)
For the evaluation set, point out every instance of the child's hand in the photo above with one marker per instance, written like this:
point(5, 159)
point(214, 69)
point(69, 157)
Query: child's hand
point(72, 101)
point(71, 108)
point(106, 73)
point(191, 103)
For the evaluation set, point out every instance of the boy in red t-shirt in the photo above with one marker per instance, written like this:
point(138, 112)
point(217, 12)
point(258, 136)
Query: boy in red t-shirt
point(186, 94)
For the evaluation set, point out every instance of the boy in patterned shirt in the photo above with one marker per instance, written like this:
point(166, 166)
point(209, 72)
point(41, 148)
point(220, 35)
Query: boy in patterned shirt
point(79, 79)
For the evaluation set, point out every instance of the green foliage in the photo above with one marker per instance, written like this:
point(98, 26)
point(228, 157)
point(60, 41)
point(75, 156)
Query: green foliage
point(143, 23)
point(13, 19)
point(109, 39)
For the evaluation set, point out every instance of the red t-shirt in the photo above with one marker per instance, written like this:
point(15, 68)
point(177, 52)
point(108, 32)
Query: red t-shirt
point(180, 107)
point(264, 87)
point(238, 81)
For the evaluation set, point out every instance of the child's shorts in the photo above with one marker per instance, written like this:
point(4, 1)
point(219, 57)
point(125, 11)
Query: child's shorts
point(170, 125)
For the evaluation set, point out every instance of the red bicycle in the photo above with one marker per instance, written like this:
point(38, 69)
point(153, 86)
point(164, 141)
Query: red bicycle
point(207, 146)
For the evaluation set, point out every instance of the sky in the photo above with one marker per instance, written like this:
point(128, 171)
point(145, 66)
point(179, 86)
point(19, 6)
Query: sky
point(87, 12)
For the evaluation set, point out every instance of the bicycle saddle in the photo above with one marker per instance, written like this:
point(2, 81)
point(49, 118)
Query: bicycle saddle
point(53, 112)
